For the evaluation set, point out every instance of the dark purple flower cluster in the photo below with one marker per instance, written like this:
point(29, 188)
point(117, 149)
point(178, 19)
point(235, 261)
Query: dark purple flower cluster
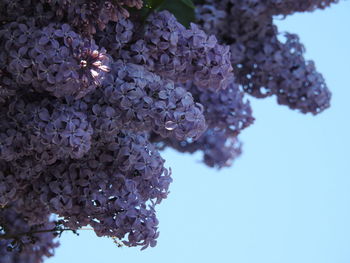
point(88, 16)
point(54, 159)
point(219, 149)
point(114, 188)
point(181, 54)
point(10, 10)
point(263, 64)
point(54, 130)
point(53, 59)
point(225, 110)
point(115, 36)
point(89, 95)
point(25, 248)
point(85, 16)
point(139, 100)
point(286, 7)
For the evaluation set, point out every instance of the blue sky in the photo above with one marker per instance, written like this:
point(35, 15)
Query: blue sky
point(286, 200)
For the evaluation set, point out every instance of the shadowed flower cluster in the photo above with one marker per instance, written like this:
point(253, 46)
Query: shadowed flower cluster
point(263, 64)
point(53, 59)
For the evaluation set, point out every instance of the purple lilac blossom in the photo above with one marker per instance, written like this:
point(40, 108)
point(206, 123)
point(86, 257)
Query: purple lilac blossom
point(115, 36)
point(114, 189)
point(218, 148)
point(140, 100)
point(263, 64)
point(84, 16)
point(226, 110)
point(53, 59)
point(286, 7)
point(180, 54)
point(33, 248)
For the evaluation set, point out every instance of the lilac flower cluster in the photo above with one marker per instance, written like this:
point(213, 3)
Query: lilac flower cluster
point(54, 130)
point(142, 101)
point(53, 59)
point(227, 114)
point(115, 36)
point(286, 7)
point(181, 54)
point(226, 110)
point(114, 188)
point(85, 16)
point(91, 15)
point(263, 64)
point(89, 93)
point(28, 248)
point(219, 149)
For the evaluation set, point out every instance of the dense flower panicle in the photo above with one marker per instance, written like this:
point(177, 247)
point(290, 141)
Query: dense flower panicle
point(115, 36)
point(128, 173)
point(29, 205)
point(14, 143)
point(35, 135)
point(224, 110)
point(53, 59)
point(184, 54)
point(7, 90)
point(279, 68)
point(114, 189)
point(219, 149)
point(286, 7)
point(85, 16)
point(269, 7)
point(32, 248)
point(8, 184)
point(88, 16)
point(10, 10)
point(66, 131)
point(312, 94)
point(5, 93)
point(16, 178)
point(140, 100)
point(53, 130)
point(211, 19)
point(263, 64)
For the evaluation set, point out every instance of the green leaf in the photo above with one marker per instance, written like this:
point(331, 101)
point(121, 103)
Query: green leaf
point(153, 4)
point(183, 10)
point(189, 3)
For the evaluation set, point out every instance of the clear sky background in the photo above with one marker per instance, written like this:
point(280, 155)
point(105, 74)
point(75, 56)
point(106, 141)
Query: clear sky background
point(286, 200)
